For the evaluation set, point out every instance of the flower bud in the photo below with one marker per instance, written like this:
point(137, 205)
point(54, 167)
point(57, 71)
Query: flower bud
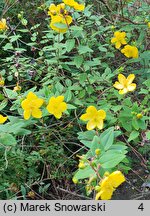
point(139, 115)
point(81, 165)
point(97, 152)
point(19, 16)
point(113, 27)
point(97, 188)
point(31, 194)
point(75, 180)
point(2, 82)
point(106, 174)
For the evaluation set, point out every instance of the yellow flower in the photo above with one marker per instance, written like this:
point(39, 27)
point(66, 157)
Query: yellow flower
point(109, 184)
point(17, 88)
point(3, 25)
point(60, 20)
point(74, 4)
point(125, 84)
point(69, 2)
point(79, 7)
point(31, 106)
point(64, 22)
point(56, 9)
point(94, 117)
point(119, 39)
point(3, 119)
point(130, 51)
point(56, 106)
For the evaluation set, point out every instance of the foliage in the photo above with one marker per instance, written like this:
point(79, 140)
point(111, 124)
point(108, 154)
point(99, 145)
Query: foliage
point(79, 65)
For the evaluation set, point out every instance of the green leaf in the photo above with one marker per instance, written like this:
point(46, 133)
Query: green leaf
point(102, 49)
point(10, 93)
point(86, 137)
point(133, 135)
point(78, 60)
point(126, 123)
point(84, 173)
point(119, 146)
point(14, 38)
point(135, 124)
point(24, 22)
point(84, 49)
point(70, 44)
point(60, 25)
point(107, 138)
point(111, 158)
point(59, 87)
point(22, 132)
point(70, 106)
point(141, 123)
point(68, 95)
point(3, 104)
point(23, 191)
point(7, 139)
point(96, 144)
point(148, 135)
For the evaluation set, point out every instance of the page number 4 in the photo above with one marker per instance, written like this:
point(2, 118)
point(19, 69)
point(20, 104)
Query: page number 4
point(141, 207)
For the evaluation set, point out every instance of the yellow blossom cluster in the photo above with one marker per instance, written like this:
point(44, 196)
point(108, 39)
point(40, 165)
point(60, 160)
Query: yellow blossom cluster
point(60, 18)
point(108, 185)
point(32, 104)
point(120, 39)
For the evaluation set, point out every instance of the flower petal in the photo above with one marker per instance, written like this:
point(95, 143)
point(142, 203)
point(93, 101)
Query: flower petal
point(68, 20)
point(122, 79)
point(84, 117)
point(62, 106)
point(113, 40)
point(102, 114)
point(31, 96)
point(57, 114)
point(25, 104)
point(116, 178)
point(130, 79)
point(118, 45)
point(38, 102)
point(91, 125)
point(50, 108)
point(123, 41)
point(118, 85)
point(27, 114)
point(131, 87)
point(60, 98)
point(135, 53)
point(100, 124)
point(107, 193)
point(3, 119)
point(123, 91)
point(36, 113)
point(98, 195)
